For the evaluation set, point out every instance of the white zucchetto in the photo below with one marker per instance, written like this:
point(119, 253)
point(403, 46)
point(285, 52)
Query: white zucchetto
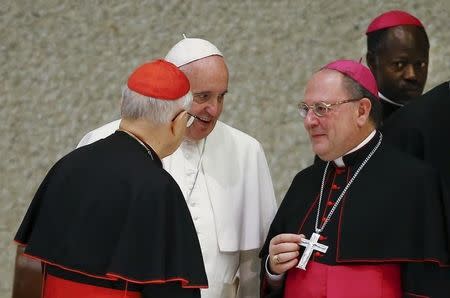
point(189, 50)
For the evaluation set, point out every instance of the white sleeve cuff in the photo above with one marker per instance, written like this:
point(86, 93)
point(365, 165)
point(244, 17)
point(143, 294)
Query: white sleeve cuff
point(273, 278)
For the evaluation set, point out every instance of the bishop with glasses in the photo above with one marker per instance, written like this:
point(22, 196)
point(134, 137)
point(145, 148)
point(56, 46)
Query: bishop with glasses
point(350, 223)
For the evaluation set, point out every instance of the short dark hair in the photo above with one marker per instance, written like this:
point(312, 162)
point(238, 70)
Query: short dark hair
point(376, 40)
point(357, 91)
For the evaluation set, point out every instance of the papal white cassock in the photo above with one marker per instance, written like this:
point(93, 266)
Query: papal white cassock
point(230, 196)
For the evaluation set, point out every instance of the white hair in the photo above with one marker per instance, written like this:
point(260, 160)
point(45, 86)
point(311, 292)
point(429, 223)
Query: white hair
point(157, 111)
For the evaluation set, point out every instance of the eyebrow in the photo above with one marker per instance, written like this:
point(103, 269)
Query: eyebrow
point(208, 92)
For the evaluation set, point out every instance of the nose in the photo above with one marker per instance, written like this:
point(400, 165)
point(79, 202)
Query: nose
point(310, 120)
point(410, 72)
point(213, 106)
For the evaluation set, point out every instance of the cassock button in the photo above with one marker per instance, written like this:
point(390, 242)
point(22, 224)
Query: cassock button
point(322, 238)
point(330, 203)
point(335, 187)
point(317, 254)
point(340, 171)
point(324, 219)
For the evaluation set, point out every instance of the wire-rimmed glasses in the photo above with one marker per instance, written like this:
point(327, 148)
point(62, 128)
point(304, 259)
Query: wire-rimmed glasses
point(320, 108)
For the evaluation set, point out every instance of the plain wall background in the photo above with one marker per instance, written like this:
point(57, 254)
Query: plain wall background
point(63, 63)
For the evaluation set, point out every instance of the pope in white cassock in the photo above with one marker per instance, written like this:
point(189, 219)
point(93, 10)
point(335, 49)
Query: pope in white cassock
point(223, 174)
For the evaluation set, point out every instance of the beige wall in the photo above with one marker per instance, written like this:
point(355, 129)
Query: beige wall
point(63, 63)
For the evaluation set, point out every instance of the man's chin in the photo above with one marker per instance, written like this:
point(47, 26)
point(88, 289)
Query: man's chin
point(325, 158)
point(407, 96)
point(318, 152)
point(322, 152)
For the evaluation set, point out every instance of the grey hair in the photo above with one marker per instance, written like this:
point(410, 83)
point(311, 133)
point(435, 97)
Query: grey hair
point(355, 90)
point(135, 106)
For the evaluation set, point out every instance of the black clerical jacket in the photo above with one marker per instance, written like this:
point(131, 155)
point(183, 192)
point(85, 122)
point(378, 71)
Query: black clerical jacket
point(422, 129)
point(107, 214)
point(392, 213)
point(387, 109)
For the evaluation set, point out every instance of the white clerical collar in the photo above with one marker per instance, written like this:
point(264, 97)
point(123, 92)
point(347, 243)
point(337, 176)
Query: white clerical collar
point(389, 101)
point(340, 161)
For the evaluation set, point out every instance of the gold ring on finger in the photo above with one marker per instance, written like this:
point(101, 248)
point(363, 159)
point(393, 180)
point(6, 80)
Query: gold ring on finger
point(276, 259)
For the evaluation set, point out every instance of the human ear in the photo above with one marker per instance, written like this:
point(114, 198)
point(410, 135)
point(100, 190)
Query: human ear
point(364, 108)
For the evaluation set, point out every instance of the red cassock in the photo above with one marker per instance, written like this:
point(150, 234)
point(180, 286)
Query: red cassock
point(56, 287)
point(343, 281)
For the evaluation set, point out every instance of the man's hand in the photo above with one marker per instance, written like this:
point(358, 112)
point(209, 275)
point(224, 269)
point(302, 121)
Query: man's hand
point(284, 252)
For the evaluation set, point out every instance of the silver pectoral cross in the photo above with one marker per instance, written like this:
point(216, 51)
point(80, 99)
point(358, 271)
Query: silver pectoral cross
point(310, 245)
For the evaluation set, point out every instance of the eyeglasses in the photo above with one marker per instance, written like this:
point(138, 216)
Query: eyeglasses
point(320, 108)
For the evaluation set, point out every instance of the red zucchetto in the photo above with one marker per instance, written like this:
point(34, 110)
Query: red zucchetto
point(393, 18)
point(356, 71)
point(159, 79)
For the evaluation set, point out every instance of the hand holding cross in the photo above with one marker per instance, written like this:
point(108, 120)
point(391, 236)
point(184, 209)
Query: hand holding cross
point(283, 252)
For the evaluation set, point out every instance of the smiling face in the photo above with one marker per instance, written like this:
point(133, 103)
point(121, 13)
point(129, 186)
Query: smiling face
point(400, 66)
point(338, 131)
point(208, 78)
